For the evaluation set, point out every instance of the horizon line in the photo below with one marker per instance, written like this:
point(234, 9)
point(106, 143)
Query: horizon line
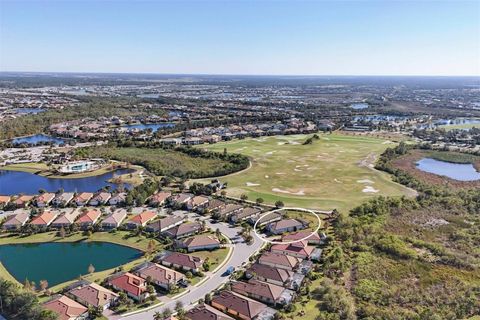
point(242, 74)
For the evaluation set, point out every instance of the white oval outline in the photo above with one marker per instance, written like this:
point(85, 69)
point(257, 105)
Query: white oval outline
point(287, 242)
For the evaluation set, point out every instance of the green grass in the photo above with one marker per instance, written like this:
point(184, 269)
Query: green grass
point(164, 162)
point(215, 257)
point(322, 175)
point(31, 167)
point(454, 157)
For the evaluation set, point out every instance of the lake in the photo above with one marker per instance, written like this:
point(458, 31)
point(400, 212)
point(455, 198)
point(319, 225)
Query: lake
point(38, 138)
point(59, 262)
point(359, 106)
point(29, 110)
point(145, 126)
point(16, 182)
point(456, 171)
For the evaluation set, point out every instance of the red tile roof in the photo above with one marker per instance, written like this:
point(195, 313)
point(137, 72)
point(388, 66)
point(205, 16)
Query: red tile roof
point(129, 283)
point(65, 307)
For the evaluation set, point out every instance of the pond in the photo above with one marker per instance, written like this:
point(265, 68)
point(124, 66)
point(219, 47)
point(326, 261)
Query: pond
point(38, 138)
point(16, 182)
point(59, 262)
point(29, 110)
point(153, 126)
point(359, 106)
point(456, 171)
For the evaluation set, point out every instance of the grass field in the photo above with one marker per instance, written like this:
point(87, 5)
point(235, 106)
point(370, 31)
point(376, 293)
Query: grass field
point(333, 172)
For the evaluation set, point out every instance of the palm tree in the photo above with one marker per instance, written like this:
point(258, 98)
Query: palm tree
point(157, 316)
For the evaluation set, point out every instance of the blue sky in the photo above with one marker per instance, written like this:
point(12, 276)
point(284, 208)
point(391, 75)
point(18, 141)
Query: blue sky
point(242, 37)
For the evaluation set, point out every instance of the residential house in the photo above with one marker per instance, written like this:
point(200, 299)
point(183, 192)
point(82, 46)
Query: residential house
point(159, 275)
point(199, 242)
point(237, 305)
point(159, 198)
point(214, 204)
point(244, 214)
point(265, 219)
point(141, 219)
point(286, 225)
point(66, 218)
point(44, 199)
point(134, 286)
point(164, 224)
point(93, 295)
point(311, 238)
point(82, 198)
point(16, 221)
point(269, 274)
point(23, 201)
point(66, 308)
point(181, 261)
point(88, 218)
point(265, 292)
point(281, 261)
point(117, 199)
point(4, 200)
point(225, 212)
point(114, 220)
point(299, 249)
point(183, 230)
point(44, 219)
point(100, 198)
point(180, 199)
point(63, 199)
point(197, 203)
point(206, 312)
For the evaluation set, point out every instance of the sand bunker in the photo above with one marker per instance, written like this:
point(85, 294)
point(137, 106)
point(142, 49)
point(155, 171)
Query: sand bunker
point(297, 170)
point(336, 180)
point(270, 152)
point(365, 181)
point(387, 142)
point(251, 184)
point(266, 177)
point(299, 193)
point(280, 173)
point(370, 189)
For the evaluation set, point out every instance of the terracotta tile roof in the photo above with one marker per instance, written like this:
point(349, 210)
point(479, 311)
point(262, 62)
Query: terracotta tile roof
point(294, 248)
point(160, 197)
point(45, 197)
point(23, 199)
point(143, 217)
point(44, 219)
point(259, 288)
point(198, 200)
point(129, 282)
point(160, 274)
point(279, 259)
point(65, 307)
point(4, 199)
point(182, 259)
point(200, 241)
point(205, 312)
point(84, 196)
point(245, 306)
point(89, 217)
point(67, 217)
point(300, 235)
point(94, 294)
point(271, 273)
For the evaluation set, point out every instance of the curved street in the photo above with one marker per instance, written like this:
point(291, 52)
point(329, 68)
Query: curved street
point(240, 255)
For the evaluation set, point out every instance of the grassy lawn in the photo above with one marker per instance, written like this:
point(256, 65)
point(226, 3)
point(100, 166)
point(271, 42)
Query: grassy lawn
point(215, 257)
point(31, 167)
point(311, 218)
point(332, 172)
point(118, 237)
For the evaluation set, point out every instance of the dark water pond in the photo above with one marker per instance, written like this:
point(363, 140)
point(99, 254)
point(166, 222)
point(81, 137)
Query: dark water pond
point(153, 126)
point(38, 138)
point(457, 171)
point(16, 182)
point(60, 262)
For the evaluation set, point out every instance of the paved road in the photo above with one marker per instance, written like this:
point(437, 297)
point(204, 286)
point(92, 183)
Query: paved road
point(241, 253)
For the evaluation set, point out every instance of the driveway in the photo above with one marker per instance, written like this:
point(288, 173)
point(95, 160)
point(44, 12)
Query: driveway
point(241, 253)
